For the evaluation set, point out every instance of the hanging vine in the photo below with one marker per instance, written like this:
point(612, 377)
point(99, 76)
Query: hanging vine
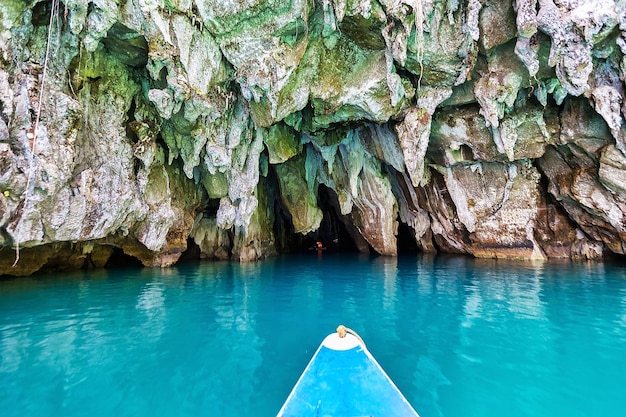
point(419, 38)
point(32, 134)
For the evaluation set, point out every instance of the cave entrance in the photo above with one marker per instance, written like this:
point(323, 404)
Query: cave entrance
point(119, 259)
point(406, 239)
point(287, 240)
point(333, 232)
point(336, 232)
point(191, 254)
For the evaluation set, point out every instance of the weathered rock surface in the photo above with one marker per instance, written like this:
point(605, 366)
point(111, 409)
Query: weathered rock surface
point(239, 129)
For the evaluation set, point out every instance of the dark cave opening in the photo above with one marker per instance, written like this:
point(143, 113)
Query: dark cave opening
point(119, 259)
point(406, 239)
point(211, 207)
point(287, 241)
point(191, 254)
point(332, 233)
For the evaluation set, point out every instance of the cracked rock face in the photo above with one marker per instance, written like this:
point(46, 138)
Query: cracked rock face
point(240, 129)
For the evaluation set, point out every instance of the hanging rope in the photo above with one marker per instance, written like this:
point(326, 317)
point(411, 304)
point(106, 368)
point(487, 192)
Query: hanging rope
point(343, 330)
point(54, 10)
point(419, 39)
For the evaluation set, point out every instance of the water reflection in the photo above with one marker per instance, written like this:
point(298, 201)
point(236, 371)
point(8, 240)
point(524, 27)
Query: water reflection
point(525, 301)
point(428, 378)
point(235, 347)
point(13, 340)
point(389, 267)
point(472, 308)
point(458, 336)
point(151, 304)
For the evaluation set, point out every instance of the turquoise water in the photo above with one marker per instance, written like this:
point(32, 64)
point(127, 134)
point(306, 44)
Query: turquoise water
point(460, 337)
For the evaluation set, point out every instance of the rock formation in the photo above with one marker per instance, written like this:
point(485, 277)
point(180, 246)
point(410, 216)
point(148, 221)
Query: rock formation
point(238, 129)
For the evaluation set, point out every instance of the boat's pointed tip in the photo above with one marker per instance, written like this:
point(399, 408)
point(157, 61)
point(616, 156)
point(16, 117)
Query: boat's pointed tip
point(334, 342)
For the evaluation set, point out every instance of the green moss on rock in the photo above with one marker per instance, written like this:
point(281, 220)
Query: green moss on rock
point(282, 143)
point(295, 196)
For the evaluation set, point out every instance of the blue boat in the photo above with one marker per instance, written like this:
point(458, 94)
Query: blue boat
point(344, 380)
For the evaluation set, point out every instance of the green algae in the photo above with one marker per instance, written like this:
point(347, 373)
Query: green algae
point(293, 32)
point(295, 195)
point(282, 143)
point(216, 184)
point(10, 13)
point(267, 16)
point(365, 33)
point(438, 53)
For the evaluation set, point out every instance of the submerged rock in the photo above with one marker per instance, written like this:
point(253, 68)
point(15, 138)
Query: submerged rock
point(239, 129)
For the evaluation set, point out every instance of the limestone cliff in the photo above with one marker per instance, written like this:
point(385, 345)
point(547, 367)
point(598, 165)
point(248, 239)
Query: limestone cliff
point(238, 129)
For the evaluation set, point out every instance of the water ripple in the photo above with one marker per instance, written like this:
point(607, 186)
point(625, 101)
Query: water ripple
point(458, 336)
